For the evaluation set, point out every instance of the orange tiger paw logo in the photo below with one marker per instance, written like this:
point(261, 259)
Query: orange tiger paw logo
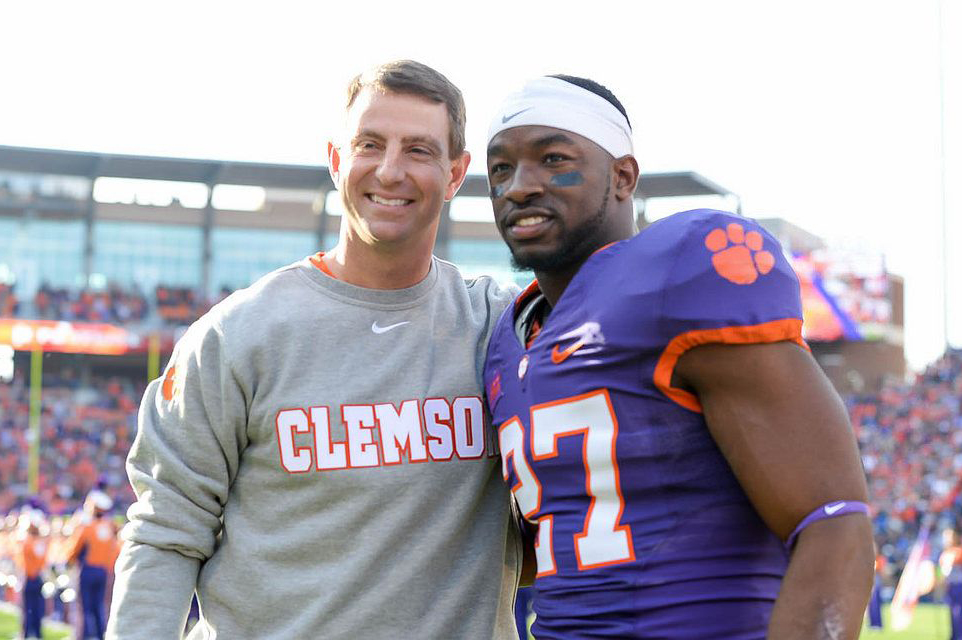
point(738, 256)
point(168, 387)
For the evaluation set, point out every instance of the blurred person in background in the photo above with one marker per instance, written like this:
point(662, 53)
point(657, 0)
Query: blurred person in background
point(9, 530)
point(31, 557)
point(93, 545)
point(57, 555)
point(950, 564)
point(875, 599)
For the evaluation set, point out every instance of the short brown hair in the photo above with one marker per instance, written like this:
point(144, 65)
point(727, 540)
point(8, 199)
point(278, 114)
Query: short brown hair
point(414, 78)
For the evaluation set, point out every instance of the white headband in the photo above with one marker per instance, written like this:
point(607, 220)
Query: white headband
point(552, 102)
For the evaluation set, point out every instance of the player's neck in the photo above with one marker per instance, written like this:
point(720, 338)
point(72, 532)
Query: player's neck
point(378, 268)
point(554, 283)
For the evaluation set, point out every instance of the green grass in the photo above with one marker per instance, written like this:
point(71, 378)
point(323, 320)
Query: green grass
point(10, 626)
point(930, 622)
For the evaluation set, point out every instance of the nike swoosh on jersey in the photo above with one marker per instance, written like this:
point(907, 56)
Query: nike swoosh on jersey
point(832, 509)
point(558, 357)
point(376, 329)
point(505, 119)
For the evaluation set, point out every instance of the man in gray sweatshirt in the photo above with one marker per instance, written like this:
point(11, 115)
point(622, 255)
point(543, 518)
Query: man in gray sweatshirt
point(316, 461)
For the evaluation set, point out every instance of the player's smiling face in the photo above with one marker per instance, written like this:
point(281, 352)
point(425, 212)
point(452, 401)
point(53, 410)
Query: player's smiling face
point(393, 168)
point(550, 190)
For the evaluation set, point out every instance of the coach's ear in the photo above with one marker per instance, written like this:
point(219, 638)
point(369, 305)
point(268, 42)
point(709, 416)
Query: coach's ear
point(334, 163)
point(625, 173)
point(459, 170)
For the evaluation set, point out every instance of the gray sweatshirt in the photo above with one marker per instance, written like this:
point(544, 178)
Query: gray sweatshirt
point(318, 463)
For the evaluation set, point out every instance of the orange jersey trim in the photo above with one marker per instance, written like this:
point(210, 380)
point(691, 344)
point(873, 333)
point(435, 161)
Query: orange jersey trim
point(534, 333)
point(529, 291)
point(775, 331)
point(610, 244)
point(534, 287)
point(317, 261)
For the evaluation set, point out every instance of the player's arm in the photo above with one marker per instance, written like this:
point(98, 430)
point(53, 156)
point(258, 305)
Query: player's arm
point(786, 435)
point(75, 544)
point(191, 431)
point(19, 553)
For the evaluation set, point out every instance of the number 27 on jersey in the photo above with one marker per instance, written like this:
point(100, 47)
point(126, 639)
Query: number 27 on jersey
point(603, 540)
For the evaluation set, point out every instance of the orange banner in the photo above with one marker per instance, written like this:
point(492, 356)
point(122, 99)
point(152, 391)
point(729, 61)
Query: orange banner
point(70, 337)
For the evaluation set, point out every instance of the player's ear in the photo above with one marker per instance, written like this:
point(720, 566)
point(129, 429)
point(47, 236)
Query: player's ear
point(334, 162)
point(459, 169)
point(625, 174)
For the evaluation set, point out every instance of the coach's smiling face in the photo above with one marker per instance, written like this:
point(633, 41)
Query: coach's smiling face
point(552, 193)
point(394, 170)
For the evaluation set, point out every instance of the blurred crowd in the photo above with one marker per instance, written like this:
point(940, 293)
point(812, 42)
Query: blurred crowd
point(910, 437)
point(114, 305)
point(170, 306)
point(85, 429)
point(58, 545)
point(178, 305)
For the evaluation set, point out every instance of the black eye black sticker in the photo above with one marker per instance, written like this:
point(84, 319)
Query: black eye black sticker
point(570, 179)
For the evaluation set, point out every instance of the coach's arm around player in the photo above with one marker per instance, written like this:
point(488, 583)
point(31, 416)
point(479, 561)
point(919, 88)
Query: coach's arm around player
point(786, 435)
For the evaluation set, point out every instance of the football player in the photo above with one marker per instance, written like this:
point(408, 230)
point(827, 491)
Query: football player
point(94, 546)
point(688, 470)
point(31, 557)
point(950, 564)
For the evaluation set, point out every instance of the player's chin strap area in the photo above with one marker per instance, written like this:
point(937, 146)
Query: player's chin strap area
point(828, 510)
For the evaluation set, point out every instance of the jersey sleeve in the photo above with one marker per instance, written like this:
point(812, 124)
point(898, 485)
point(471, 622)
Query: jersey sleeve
point(729, 282)
point(191, 432)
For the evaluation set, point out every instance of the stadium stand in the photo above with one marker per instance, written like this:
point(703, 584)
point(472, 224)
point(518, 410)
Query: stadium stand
point(86, 430)
point(910, 437)
point(111, 305)
point(178, 306)
point(171, 306)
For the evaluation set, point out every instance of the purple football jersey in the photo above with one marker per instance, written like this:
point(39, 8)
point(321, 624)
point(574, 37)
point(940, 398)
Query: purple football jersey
point(643, 530)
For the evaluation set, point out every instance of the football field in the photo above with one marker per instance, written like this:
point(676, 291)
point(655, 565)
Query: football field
point(931, 622)
point(10, 625)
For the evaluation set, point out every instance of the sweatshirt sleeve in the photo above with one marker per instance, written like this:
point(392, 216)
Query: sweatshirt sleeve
point(497, 298)
point(191, 432)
